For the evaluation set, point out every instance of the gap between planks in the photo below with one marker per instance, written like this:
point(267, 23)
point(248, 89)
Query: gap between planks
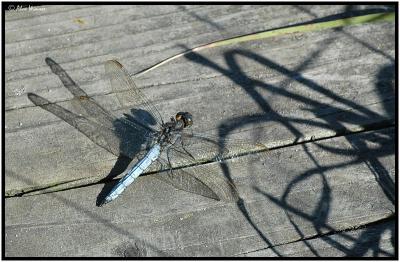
point(94, 180)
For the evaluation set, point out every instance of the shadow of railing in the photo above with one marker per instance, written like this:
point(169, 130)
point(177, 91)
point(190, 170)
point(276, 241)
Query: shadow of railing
point(349, 11)
point(358, 115)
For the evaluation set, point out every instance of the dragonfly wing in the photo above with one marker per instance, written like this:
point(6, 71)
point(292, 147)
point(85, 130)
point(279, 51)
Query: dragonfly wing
point(184, 180)
point(143, 112)
point(194, 152)
point(205, 180)
point(112, 135)
point(118, 135)
point(132, 137)
point(204, 147)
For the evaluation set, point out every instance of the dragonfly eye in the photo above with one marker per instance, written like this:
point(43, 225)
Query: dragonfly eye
point(185, 117)
point(188, 120)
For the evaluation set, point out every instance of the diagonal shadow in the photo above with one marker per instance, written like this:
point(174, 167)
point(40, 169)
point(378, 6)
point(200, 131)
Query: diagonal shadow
point(201, 18)
point(139, 247)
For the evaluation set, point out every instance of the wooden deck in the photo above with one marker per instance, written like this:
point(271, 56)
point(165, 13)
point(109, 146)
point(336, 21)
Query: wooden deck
point(323, 102)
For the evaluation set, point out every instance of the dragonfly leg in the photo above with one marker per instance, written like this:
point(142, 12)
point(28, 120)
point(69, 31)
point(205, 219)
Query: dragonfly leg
point(169, 162)
point(187, 152)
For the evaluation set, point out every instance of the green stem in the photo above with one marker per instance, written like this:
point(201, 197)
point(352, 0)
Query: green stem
point(379, 17)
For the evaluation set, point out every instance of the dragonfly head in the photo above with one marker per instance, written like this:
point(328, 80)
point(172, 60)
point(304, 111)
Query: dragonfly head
point(185, 117)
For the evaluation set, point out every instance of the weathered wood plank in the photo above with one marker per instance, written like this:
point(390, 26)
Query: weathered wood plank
point(142, 31)
point(321, 88)
point(296, 192)
point(376, 240)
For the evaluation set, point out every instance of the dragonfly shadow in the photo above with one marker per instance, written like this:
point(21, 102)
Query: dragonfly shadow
point(328, 117)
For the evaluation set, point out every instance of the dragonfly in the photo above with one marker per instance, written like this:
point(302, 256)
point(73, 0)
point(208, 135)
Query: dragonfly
point(174, 140)
point(170, 149)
